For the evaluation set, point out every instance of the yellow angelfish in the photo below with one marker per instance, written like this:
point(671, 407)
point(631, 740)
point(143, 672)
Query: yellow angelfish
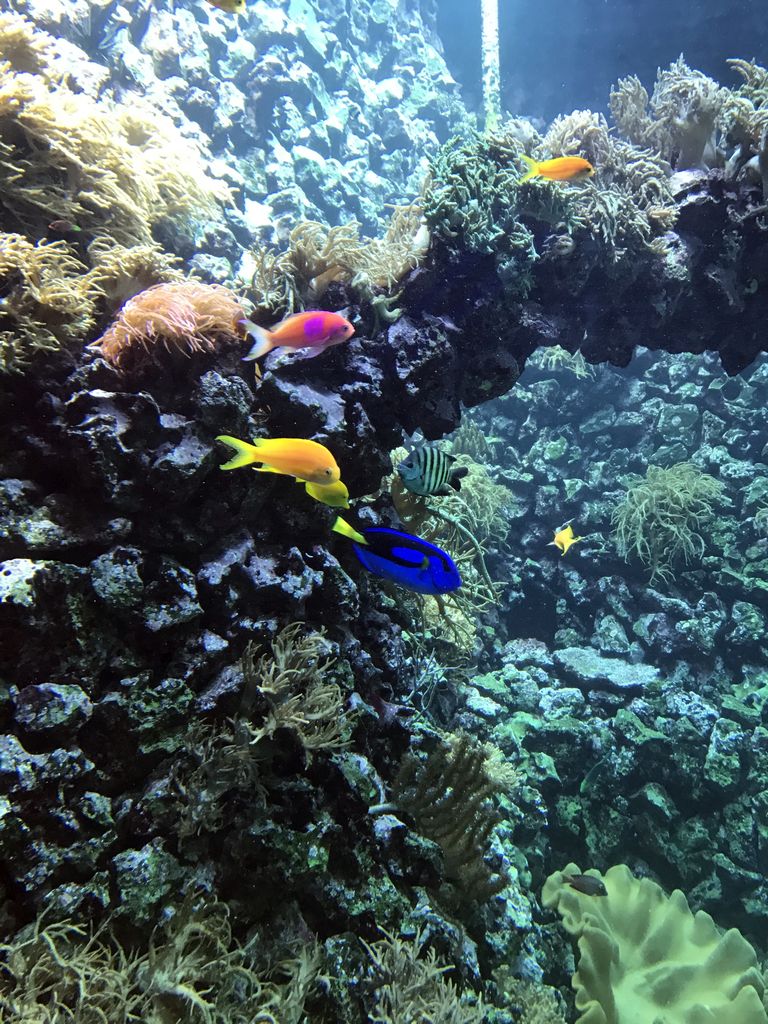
point(308, 461)
point(230, 6)
point(564, 538)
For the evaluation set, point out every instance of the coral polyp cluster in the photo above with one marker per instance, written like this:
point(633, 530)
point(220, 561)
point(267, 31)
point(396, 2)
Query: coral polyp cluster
point(178, 318)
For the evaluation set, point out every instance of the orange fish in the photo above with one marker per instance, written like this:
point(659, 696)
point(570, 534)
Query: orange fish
point(562, 168)
point(315, 329)
point(308, 461)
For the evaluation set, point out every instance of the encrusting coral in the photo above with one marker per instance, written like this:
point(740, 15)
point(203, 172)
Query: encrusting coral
point(645, 957)
point(179, 318)
point(660, 518)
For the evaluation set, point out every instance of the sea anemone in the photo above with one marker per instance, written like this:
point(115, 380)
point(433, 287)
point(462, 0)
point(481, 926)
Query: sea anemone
point(178, 317)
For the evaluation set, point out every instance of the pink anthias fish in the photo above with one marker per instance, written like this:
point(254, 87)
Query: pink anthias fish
point(316, 329)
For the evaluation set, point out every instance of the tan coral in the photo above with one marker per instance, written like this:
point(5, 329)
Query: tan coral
point(124, 271)
point(645, 957)
point(679, 120)
point(318, 255)
point(178, 318)
point(48, 301)
point(111, 170)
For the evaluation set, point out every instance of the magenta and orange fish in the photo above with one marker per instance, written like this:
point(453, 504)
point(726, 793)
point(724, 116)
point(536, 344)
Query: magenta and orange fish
point(317, 329)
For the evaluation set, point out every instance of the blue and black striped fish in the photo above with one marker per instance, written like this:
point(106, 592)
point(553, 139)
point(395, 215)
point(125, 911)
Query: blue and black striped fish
point(428, 470)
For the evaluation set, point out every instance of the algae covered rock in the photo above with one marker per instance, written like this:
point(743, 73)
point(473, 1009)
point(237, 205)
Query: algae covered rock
point(644, 957)
point(588, 668)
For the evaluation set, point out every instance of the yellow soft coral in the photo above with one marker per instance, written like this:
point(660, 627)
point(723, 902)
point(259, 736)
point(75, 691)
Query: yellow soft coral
point(646, 959)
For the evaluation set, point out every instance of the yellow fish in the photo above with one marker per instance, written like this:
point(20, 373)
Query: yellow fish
point(308, 461)
point(230, 6)
point(336, 495)
point(563, 539)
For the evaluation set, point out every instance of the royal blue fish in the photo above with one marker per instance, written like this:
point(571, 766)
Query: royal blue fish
point(402, 558)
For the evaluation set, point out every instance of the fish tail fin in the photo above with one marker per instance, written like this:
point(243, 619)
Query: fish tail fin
point(457, 475)
point(342, 526)
point(263, 340)
point(533, 168)
point(245, 452)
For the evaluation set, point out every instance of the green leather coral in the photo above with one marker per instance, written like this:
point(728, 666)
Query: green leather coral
point(646, 959)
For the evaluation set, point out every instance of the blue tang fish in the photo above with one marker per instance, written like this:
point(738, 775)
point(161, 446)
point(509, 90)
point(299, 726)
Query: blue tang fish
point(402, 558)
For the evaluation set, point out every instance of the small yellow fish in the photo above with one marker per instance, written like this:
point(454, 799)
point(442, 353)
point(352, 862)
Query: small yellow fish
point(336, 495)
point(230, 6)
point(563, 539)
point(562, 168)
point(308, 461)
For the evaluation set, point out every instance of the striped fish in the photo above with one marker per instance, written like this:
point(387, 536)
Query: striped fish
point(429, 470)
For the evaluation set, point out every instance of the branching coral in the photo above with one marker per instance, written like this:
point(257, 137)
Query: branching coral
point(292, 680)
point(470, 195)
point(558, 358)
point(450, 797)
point(48, 300)
point(194, 971)
point(412, 987)
point(745, 118)
point(661, 518)
point(178, 318)
point(113, 171)
point(679, 119)
point(317, 256)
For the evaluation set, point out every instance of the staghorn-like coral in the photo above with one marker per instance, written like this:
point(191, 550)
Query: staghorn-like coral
point(114, 171)
point(293, 681)
point(661, 519)
point(178, 318)
point(49, 300)
point(411, 986)
point(193, 971)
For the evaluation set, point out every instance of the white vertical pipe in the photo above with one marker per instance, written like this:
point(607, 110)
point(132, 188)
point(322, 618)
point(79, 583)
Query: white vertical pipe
point(489, 13)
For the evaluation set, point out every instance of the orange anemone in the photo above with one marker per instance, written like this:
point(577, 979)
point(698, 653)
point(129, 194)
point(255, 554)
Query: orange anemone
point(181, 317)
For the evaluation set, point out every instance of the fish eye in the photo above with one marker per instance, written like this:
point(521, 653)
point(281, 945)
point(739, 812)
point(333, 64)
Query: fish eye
point(329, 472)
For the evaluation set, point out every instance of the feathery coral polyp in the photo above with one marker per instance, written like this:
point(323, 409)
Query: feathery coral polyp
point(178, 317)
